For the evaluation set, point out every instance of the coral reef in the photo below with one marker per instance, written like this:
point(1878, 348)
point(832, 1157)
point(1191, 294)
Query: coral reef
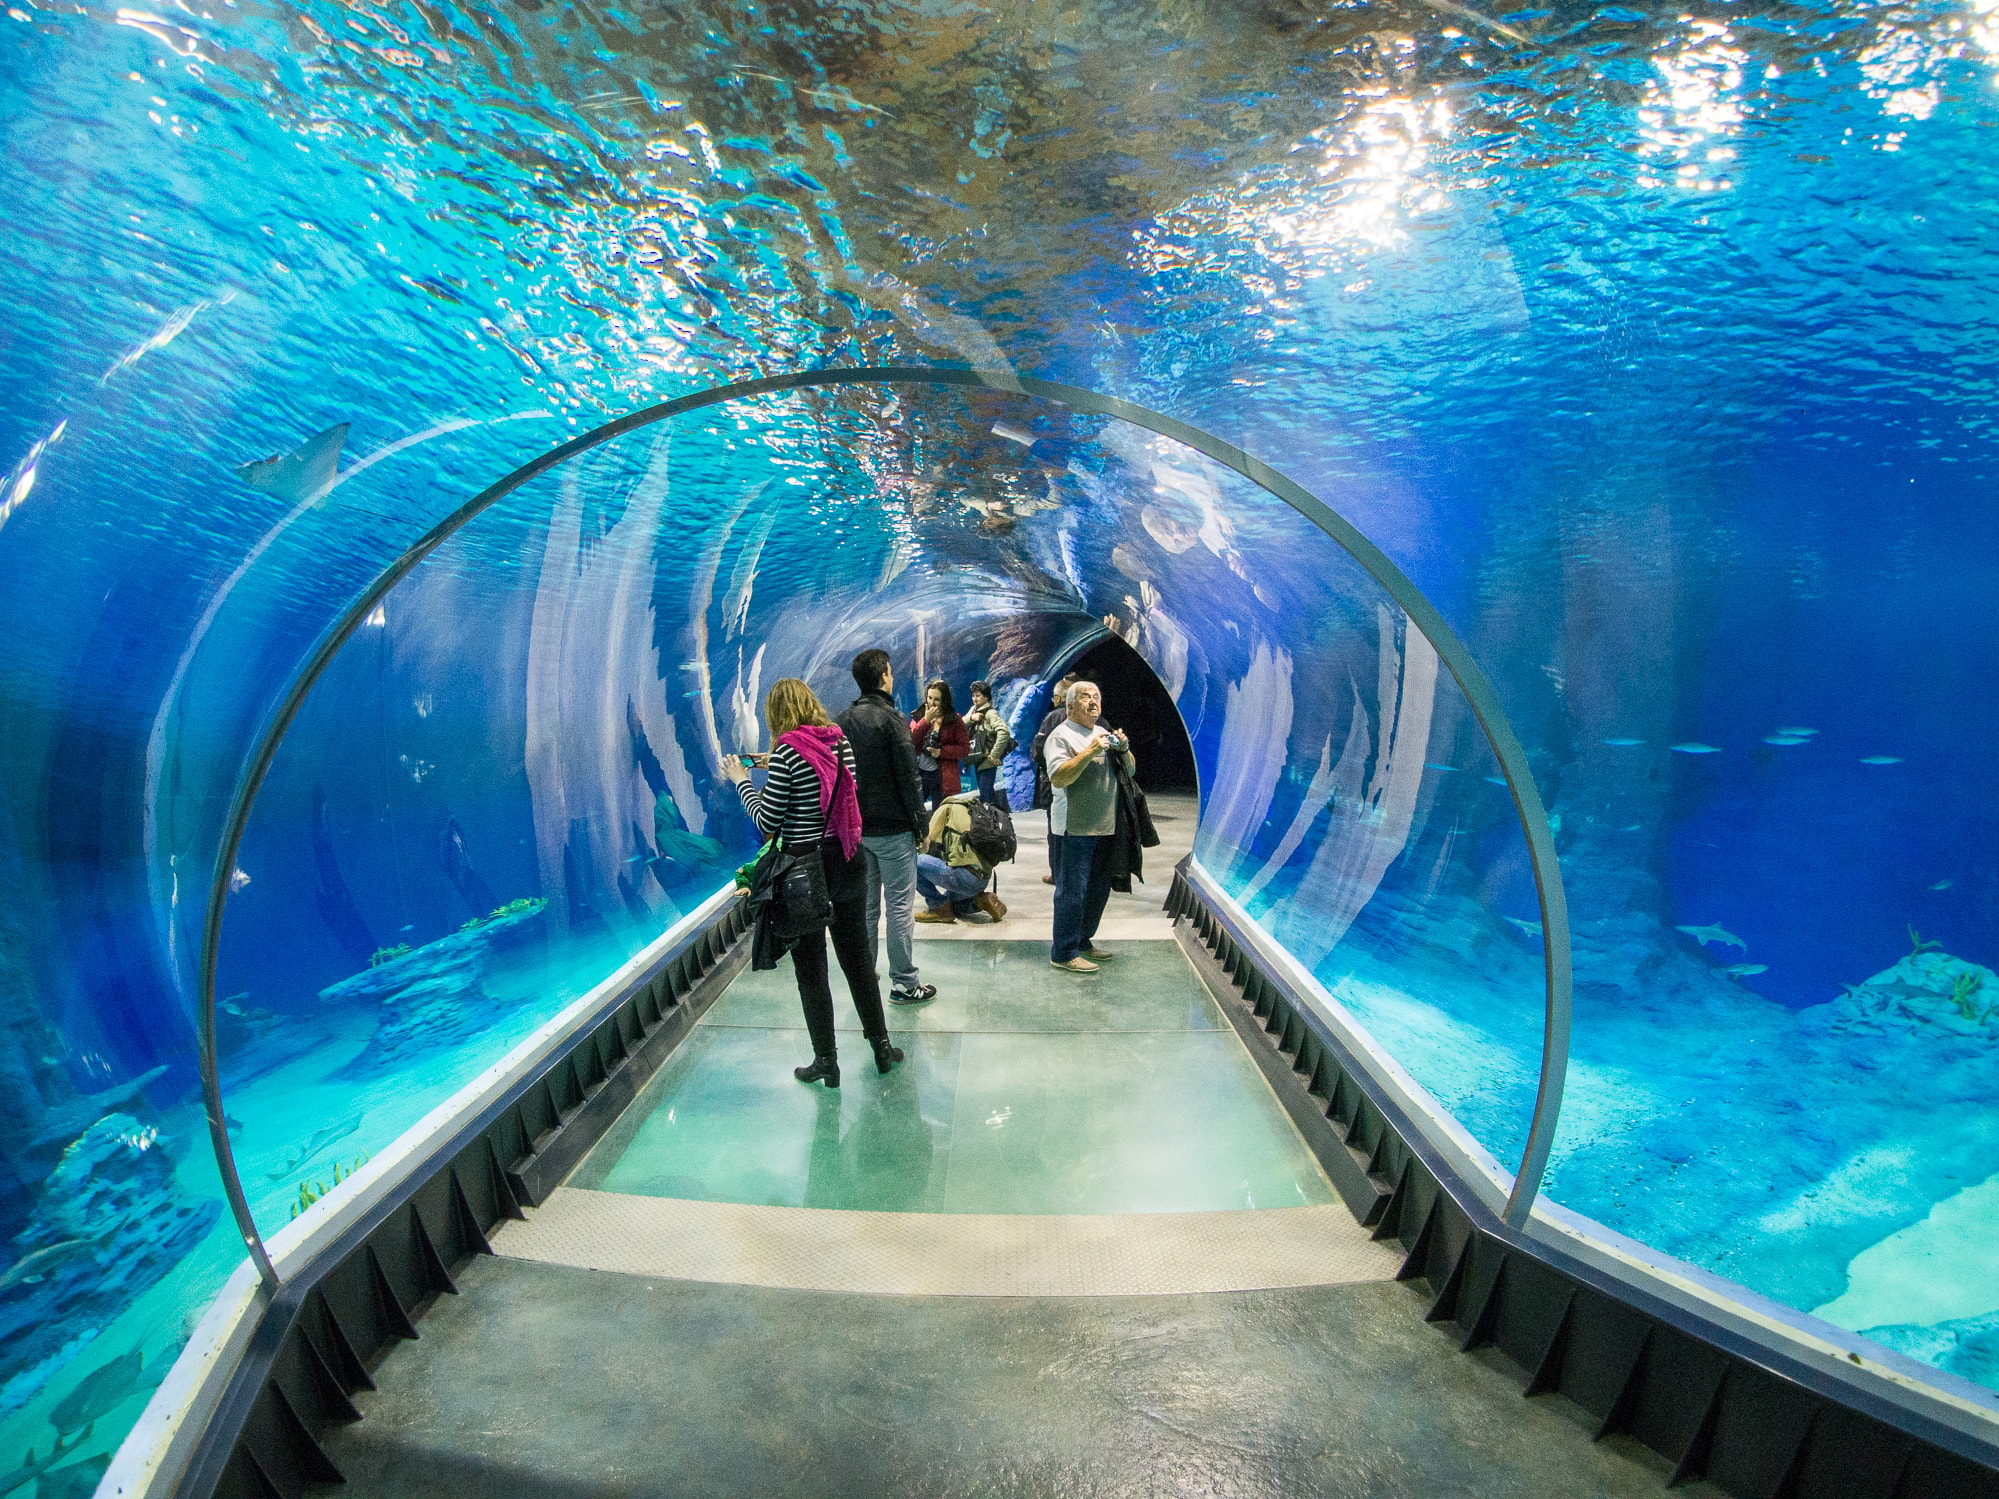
point(110, 1221)
point(435, 997)
point(1927, 988)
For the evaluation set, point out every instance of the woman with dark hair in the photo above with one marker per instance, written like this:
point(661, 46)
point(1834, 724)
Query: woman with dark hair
point(992, 742)
point(942, 743)
point(808, 799)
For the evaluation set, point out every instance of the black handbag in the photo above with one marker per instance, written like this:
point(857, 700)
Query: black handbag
point(799, 900)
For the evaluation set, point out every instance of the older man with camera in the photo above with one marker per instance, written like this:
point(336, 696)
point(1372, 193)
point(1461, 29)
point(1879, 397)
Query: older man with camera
point(1082, 822)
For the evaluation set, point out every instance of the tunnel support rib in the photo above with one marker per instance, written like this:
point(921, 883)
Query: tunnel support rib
point(1421, 614)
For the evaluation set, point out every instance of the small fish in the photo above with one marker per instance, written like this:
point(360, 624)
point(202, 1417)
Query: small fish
point(1428, 766)
point(1880, 759)
point(1013, 434)
point(1623, 743)
point(1464, 12)
point(435, 286)
point(826, 96)
point(1941, 885)
point(1745, 970)
point(1785, 739)
point(1497, 780)
point(1797, 733)
point(1713, 933)
point(1531, 928)
point(1695, 747)
point(237, 881)
point(230, 1122)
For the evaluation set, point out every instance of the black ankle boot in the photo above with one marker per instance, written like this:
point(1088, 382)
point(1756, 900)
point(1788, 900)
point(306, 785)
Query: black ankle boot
point(887, 1053)
point(823, 1069)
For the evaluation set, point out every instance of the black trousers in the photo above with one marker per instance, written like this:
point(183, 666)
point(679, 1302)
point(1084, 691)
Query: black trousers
point(853, 945)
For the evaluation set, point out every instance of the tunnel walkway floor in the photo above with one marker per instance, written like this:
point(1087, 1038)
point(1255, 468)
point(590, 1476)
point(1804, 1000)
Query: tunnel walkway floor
point(1071, 1246)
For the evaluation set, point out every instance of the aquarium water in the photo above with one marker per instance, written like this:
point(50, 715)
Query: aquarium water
point(1656, 346)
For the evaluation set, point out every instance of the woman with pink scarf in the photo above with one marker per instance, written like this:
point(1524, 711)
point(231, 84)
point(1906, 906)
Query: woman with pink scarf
point(808, 798)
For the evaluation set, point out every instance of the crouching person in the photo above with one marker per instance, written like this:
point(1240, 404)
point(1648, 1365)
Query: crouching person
point(966, 838)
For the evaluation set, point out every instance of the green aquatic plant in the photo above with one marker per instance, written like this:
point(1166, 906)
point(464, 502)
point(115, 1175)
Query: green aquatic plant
point(527, 905)
point(310, 1192)
point(1919, 944)
point(383, 955)
point(1964, 994)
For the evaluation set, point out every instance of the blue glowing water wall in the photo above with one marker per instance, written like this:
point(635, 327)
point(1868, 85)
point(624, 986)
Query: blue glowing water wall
point(1654, 348)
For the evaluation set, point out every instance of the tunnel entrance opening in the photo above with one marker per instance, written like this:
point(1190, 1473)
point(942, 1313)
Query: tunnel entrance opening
point(1136, 701)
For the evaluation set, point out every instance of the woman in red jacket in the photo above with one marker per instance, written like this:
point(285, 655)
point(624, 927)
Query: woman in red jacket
point(942, 744)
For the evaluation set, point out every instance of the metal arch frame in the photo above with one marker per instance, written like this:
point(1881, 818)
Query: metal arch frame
point(1420, 612)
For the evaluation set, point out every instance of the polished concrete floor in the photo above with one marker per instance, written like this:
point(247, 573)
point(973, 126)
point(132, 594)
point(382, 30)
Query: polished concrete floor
point(1025, 1090)
point(542, 1382)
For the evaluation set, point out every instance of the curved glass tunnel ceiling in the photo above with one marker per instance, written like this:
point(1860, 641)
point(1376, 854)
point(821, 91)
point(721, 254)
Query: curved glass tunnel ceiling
point(561, 679)
point(1655, 347)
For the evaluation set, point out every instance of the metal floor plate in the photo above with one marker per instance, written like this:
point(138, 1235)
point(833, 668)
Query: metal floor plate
point(949, 1254)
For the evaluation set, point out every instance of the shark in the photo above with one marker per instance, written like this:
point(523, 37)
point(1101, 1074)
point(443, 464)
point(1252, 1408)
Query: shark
point(1894, 989)
point(1707, 934)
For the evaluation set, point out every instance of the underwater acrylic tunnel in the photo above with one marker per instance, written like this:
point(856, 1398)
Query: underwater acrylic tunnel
point(1374, 840)
point(1651, 349)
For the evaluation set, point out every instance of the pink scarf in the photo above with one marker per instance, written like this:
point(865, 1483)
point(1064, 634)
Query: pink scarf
point(818, 745)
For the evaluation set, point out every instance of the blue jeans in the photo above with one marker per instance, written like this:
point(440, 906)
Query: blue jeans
point(1082, 890)
point(940, 882)
point(988, 785)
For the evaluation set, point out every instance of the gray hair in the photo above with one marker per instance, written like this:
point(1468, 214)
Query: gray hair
point(1069, 699)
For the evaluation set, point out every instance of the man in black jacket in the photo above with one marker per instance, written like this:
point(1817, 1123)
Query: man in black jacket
point(892, 818)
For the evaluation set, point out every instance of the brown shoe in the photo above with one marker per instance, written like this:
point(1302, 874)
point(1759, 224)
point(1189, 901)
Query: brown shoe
point(991, 904)
point(1048, 879)
point(1076, 965)
point(941, 916)
point(1098, 955)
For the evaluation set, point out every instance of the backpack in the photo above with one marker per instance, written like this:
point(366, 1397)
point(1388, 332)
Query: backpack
point(991, 834)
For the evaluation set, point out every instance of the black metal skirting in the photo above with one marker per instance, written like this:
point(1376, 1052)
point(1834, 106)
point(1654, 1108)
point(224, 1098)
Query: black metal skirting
point(333, 1321)
point(1749, 1418)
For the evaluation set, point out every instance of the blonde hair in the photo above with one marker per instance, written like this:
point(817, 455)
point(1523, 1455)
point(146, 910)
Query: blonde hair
point(790, 703)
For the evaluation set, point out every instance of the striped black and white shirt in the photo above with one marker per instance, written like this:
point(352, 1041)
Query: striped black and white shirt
point(788, 802)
